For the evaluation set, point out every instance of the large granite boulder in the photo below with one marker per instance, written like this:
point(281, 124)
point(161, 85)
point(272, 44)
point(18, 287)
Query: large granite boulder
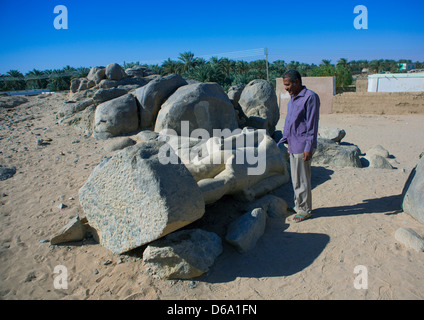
point(132, 198)
point(202, 105)
point(333, 154)
point(259, 103)
point(413, 192)
point(115, 72)
point(154, 94)
point(117, 116)
point(183, 254)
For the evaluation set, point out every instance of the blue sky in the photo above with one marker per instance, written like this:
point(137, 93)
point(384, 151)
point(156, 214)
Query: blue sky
point(101, 32)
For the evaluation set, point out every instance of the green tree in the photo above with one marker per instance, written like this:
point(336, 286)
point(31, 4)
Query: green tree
point(36, 79)
point(188, 60)
point(171, 66)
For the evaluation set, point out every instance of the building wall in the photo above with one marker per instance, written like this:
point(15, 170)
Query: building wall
point(325, 87)
point(379, 103)
point(396, 83)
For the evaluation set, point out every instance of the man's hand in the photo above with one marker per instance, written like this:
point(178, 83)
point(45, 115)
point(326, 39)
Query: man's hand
point(307, 156)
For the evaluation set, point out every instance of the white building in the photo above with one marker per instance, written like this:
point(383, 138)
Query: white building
point(396, 82)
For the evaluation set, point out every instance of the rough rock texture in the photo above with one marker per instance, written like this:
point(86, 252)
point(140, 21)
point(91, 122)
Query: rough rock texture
point(330, 153)
point(183, 254)
point(203, 105)
point(410, 239)
point(154, 94)
point(246, 230)
point(413, 192)
point(115, 72)
point(334, 134)
point(73, 231)
point(117, 116)
point(259, 103)
point(132, 198)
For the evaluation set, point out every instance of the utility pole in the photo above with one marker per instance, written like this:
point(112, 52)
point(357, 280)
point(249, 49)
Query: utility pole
point(266, 59)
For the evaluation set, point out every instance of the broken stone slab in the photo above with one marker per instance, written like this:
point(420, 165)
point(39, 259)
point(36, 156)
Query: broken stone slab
point(274, 206)
point(117, 116)
point(410, 239)
point(118, 143)
point(413, 200)
point(183, 254)
point(73, 231)
point(246, 230)
point(154, 94)
point(334, 134)
point(379, 162)
point(333, 154)
point(378, 150)
point(132, 198)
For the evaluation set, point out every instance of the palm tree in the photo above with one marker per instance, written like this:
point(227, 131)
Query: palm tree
point(188, 60)
point(242, 67)
point(171, 66)
point(14, 80)
point(36, 79)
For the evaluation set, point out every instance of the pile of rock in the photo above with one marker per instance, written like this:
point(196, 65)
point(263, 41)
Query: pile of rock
point(149, 190)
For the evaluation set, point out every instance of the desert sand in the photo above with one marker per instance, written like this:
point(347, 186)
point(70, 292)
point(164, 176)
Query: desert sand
point(356, 212)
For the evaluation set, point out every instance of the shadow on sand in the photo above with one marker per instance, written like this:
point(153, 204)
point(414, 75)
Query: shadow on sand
point(277, 253)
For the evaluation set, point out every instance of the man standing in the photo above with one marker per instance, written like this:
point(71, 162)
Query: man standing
point(300, 133)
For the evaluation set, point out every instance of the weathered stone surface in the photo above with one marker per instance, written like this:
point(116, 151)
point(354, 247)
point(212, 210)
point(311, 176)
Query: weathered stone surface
point(154, 94)
point(103, 95)
point(183, 254)
point(117, 116)
point(378, 150)
point(203, 105)
point(72, 107)
point(330, 153)
point(115, 72)
point(73, 231)
point(75, 83)
point(6, 173)
point(118, 143)
point(132, 198)
point(246, 231)
point(259, 103)
point(410, 239)
point(245, 165)
point(379, 162)
point(274, 206)
point(413, 192)
point(334, 134)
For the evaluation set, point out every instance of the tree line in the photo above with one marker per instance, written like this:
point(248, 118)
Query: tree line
point(226, 72)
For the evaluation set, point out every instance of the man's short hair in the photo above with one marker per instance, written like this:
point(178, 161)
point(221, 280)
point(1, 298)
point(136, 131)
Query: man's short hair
point(293, 75)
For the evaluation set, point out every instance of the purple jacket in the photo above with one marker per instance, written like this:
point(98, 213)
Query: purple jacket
point(301, 124)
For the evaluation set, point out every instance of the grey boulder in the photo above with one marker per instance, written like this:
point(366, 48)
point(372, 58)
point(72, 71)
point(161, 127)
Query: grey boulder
point(202, 105)
point(183, 254)
point(115, 72)
point(413, 192)
point(117, 116)
point(259, 103)
point(333, 154)
point(132, 198)
point(154, 94)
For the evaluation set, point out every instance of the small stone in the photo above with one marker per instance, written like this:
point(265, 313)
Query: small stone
point(62, 206)
point(410, 239)
point(96, 271)
point(107, 262)
point(40, 142)
point(44, 241)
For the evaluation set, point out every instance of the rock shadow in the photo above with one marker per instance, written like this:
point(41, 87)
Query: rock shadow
point(277, 253)
point(388, 205)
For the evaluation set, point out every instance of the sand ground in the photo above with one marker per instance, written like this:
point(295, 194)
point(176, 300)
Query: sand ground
point(357, 211)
